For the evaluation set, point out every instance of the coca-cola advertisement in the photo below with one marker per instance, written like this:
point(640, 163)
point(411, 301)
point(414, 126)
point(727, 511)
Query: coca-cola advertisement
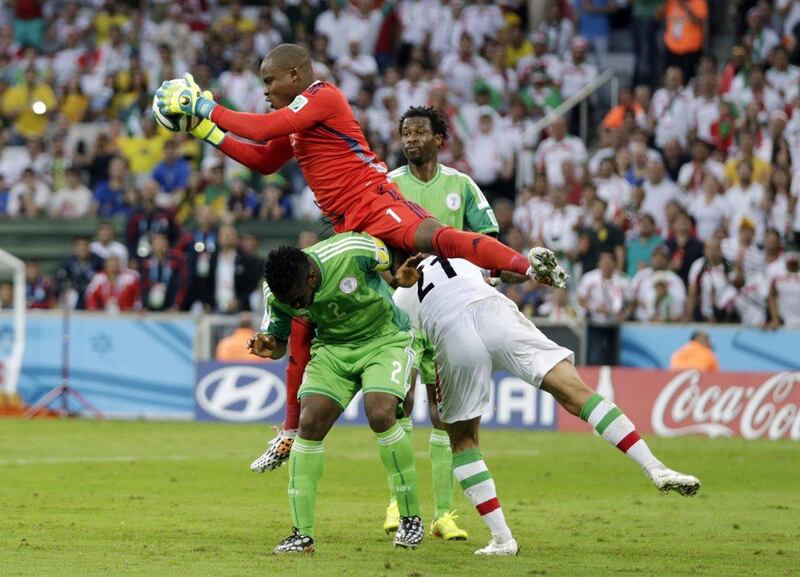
point(714, 404)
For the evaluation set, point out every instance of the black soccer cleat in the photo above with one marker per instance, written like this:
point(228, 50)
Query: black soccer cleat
point(409, 533)
point(295, 543)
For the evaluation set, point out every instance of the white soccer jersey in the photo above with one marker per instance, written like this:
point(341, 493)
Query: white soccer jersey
point(787, 288)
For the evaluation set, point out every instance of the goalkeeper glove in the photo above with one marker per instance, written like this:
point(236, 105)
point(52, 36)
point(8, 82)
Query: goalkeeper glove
point(184, 97)
point(207, 130)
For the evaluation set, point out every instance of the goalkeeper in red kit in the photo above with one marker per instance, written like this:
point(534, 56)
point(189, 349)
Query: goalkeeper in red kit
point(314, 123)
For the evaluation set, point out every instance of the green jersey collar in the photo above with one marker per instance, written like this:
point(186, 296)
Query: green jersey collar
point(423, 183)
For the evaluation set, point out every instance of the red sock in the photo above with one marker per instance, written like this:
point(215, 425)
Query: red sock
point(479, 249)
point(299, 355)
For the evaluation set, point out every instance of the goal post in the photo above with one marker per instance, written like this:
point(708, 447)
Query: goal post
point(11, 356)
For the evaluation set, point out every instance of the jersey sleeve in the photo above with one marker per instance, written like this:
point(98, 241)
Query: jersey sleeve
point(263, 158)
point(315, 105)
point(276, 322)
point(478, 214)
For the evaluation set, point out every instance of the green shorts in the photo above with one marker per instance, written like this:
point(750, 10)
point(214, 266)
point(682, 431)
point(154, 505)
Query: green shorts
point(382, 365)
point(427, 367)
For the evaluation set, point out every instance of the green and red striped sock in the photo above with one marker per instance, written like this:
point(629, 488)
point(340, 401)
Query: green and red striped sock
point(478, 486)
point(612, 424)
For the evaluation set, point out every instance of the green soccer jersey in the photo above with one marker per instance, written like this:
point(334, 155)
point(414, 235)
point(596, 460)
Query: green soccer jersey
point(451, 197)
point(353, 303)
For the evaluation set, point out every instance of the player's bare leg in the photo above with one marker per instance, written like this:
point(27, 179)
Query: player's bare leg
point(564, 383)
point(318, 413)
point(478, 485)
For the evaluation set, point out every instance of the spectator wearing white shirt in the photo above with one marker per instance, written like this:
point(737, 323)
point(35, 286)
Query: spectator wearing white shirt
point(461, 69)
point(745, 298)
point(241, 87)
point(29, 197)
point(603, 292)
point(789, 12)
point(760, 94)
point(355, 69)
point(763, 38)
point(413, 89)
point(577, 71)
point(106, 246)
point(558, 148)
point(490, 155)
point(365, 23)
point(782, 76)
point(692, 174)
point(708, 278)
point(670, 109)
point(482, 20)
point(646, 301)
point(658, 192)
point(774, 257)
point(742, 249)
point(775, 139)
point(746, 200)
point(557, 29)
point(267, 36)
point(334, 25)
point(705, 107)
point(560, 224)
point(72, 201)
point(709, 209)
point(784, 295)
point(612, 188)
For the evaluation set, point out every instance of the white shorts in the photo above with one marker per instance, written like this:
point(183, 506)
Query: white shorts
point(489, 334)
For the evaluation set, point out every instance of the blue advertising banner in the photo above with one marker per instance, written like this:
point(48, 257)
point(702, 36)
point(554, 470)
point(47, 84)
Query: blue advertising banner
point(132, 366)
point(256, 393)
point(737, 348)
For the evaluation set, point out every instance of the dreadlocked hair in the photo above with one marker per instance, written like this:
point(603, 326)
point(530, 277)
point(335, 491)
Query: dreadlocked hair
point(438, 122)
point(283, 267)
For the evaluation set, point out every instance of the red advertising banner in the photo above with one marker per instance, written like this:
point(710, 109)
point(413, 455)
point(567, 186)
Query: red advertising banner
point(715, 404)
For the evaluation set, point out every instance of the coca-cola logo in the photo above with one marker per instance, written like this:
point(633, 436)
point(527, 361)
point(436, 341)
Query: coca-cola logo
point(685, 408)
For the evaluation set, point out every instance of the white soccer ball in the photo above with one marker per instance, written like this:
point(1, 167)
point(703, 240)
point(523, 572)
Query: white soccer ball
point(173, 122)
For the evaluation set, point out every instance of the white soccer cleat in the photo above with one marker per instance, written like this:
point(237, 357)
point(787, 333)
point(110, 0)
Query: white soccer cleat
point(278, 451)
point(666, 480)
point(545, 268)
point(509, 548)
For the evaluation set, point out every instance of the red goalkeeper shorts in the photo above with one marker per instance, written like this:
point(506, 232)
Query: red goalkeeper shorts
point(387, 215)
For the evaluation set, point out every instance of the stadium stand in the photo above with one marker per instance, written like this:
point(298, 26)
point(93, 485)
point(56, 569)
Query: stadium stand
point(697, 157)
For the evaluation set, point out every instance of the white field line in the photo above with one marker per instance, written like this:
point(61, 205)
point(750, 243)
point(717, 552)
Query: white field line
point(197, 457)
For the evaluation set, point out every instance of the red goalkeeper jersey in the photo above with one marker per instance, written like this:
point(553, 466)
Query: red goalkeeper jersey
point(319, 129)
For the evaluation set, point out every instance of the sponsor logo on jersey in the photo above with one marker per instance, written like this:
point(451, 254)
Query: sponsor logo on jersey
point(453, 201)
point(299, 102)
point(348, 285)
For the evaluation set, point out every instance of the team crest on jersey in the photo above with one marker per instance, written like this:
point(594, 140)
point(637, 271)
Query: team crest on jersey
point(453, 201)
point(348, 285)
point(299, 102)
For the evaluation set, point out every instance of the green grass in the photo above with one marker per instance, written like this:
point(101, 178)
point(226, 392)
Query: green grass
point(161, 499)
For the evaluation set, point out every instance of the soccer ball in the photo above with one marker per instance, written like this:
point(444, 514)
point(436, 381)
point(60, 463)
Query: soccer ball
point(174, 122)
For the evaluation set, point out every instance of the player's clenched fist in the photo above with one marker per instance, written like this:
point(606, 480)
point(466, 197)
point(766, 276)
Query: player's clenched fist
point(262, 345)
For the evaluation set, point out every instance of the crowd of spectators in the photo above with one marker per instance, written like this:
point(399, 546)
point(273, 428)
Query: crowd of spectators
point(683, 206)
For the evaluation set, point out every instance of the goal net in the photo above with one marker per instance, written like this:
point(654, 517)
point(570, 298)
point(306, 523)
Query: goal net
point(12, 326)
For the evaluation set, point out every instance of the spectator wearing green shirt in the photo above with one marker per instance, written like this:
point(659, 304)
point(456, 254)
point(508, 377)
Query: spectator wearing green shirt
point(639, 247)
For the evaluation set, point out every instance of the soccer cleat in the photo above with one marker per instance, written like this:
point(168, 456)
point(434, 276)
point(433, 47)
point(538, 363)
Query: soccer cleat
point(392, 520)
point(446, 528)
point(278, 450)
point(545, 268)
point(409, 533)
point(508, 548)
point(666, 480)
point(295, 543)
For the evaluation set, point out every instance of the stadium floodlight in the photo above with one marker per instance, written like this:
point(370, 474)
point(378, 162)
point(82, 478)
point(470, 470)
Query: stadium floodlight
point(11, 362)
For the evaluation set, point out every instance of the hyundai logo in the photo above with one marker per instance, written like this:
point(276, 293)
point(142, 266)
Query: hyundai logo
point(240, 393)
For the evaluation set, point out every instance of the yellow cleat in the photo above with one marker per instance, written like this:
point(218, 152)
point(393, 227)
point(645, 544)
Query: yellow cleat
point(446, 528)
point(392, 521)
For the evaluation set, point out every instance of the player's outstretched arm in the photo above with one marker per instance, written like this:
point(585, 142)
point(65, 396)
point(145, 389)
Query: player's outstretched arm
point(266, 346)
point(263, 158)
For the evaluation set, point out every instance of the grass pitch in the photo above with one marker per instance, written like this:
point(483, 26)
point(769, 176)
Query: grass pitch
point(83, 498)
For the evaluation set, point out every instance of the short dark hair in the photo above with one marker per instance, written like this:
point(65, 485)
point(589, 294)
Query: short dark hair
point(438, 122)
point(283, 267)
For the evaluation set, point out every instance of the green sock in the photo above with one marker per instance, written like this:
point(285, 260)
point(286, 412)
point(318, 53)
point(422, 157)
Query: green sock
point(441, 472)
point(405, 424)
point(398, 458)
point(305, 470)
